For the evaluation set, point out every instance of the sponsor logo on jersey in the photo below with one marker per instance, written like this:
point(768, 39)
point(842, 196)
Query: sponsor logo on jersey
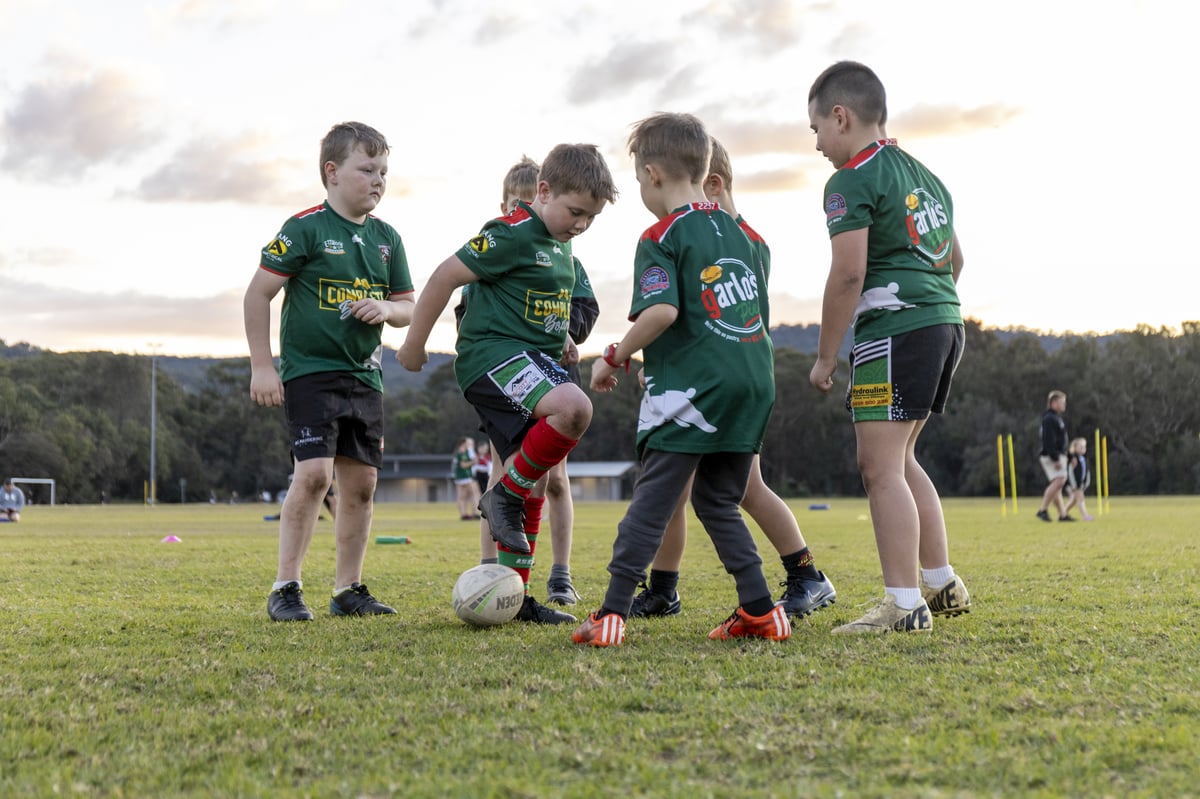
point(543, 259)
point(729, 292)
point(277, 248)
point(835, 208)
point(482, 243)
point(550, 311)
point(357, 239)
point(928, 227)
point(336, 294)
point(654, 280)
point(335, 247)
point(385, 253)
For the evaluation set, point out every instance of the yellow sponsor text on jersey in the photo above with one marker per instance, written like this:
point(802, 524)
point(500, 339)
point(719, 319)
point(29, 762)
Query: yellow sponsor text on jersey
point(549, 310)
point(335, 292)
point(871, 395)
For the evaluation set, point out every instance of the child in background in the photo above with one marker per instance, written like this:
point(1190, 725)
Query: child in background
point(462, 461)
point(895, 264)
point(806, 589)
point(344, 275)
point(1079, 478)
point(698, 308)
point(513, 336)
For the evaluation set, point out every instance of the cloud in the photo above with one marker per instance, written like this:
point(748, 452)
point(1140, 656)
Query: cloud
point(945, 120)
point(772, 23)
point(60, 127)
point(229, 170)
point(625, 66)
point(133, 318)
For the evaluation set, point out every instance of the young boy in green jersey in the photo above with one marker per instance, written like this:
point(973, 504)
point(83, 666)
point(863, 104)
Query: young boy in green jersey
point(806, 589)
point(699, 306)
point(553, 490)
point(514, 335)
point(344, 274)
point(893, 276)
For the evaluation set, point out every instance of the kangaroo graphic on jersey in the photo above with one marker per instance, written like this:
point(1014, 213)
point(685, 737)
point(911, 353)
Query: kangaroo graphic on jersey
point(670, 406)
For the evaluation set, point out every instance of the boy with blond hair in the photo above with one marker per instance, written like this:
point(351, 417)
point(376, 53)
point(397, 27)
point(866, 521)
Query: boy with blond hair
point(895, 264)
point(806, 589)
point(344, 275)
point(514, 334)
point(698, 307)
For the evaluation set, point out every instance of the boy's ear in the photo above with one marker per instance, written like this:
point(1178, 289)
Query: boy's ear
point(843, 117)
point(655, 174)
point(714, 185)
point(330, 168)
point(543, 192)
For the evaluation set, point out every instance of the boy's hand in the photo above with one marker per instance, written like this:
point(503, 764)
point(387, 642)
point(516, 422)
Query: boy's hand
point(265, 387)
point(570, 352)
point(412, 357)
point(604, 377)
point(367, 310)
point(822, 373)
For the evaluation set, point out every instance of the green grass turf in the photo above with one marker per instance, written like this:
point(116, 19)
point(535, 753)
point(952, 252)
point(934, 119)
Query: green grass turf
point(134, 668)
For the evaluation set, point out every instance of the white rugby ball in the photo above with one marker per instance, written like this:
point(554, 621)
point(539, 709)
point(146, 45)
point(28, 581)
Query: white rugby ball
point(488, 594)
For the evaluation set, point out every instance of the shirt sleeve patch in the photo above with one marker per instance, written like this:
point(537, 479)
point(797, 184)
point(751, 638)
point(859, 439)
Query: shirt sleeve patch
point(654, 281)
point(835, 208)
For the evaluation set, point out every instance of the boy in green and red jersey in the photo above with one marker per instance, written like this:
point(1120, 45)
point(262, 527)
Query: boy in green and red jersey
point(513, 336)
point(895, 266)
point(807, 588)
point(344, 275)
point(699, 305)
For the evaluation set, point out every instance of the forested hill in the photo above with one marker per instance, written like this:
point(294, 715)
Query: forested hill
point(191, 373)
point(83, 418)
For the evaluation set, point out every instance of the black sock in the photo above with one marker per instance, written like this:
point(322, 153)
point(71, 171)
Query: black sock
point(760, 607)
point(663, 583)
point(800, 564)
point(603, 611)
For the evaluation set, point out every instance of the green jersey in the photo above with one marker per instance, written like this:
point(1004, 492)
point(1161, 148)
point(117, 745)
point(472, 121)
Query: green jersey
point(330, 262)
point(763, 253)
point(909, 282)
point(710, 376)
point(522, 300)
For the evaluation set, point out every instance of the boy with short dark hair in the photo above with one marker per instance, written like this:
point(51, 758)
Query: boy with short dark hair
point(807, 589)
point(514, 334)
point(895, 263)
point(699, 305)
point(344, 275)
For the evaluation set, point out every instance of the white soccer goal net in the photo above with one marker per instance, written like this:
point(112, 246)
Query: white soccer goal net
point(39, 481)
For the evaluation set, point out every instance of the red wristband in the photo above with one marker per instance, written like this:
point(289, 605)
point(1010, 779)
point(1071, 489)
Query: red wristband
point(609, 352)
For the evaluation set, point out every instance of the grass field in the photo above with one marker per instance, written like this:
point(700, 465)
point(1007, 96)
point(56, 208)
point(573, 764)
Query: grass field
point(134, 668)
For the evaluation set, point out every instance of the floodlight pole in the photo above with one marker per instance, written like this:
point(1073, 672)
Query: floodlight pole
point(153, 417)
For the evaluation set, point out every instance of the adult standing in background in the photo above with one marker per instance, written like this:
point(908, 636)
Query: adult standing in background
point(1054, 455)
point(12, 502)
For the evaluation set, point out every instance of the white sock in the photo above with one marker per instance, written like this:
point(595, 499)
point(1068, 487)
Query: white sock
point(275, 586)
point(906, 598)
point(936, 578)
point(343, 589)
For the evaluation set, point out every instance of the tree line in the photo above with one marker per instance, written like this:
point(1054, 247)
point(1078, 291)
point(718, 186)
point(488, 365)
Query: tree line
point(83, 418)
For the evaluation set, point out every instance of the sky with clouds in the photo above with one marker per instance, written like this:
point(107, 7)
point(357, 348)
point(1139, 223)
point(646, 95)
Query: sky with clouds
point(149, 150)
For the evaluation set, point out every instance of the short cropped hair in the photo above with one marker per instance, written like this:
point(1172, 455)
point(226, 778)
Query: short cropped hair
point(341, 140)
point(853, 85)
point(521, 180)
point(1055, 394)
point(677, 143)
point(718, 163)
point(578, 168)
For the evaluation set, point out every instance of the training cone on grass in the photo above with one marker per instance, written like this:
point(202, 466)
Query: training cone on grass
point(171, 539)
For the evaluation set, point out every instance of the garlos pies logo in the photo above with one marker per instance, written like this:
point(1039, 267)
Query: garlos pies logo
point(928, 226)
point(729, 292)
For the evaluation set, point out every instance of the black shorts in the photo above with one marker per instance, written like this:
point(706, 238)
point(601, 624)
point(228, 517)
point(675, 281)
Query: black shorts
point(904, 377)
point(505, 398)
point(334, 413)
